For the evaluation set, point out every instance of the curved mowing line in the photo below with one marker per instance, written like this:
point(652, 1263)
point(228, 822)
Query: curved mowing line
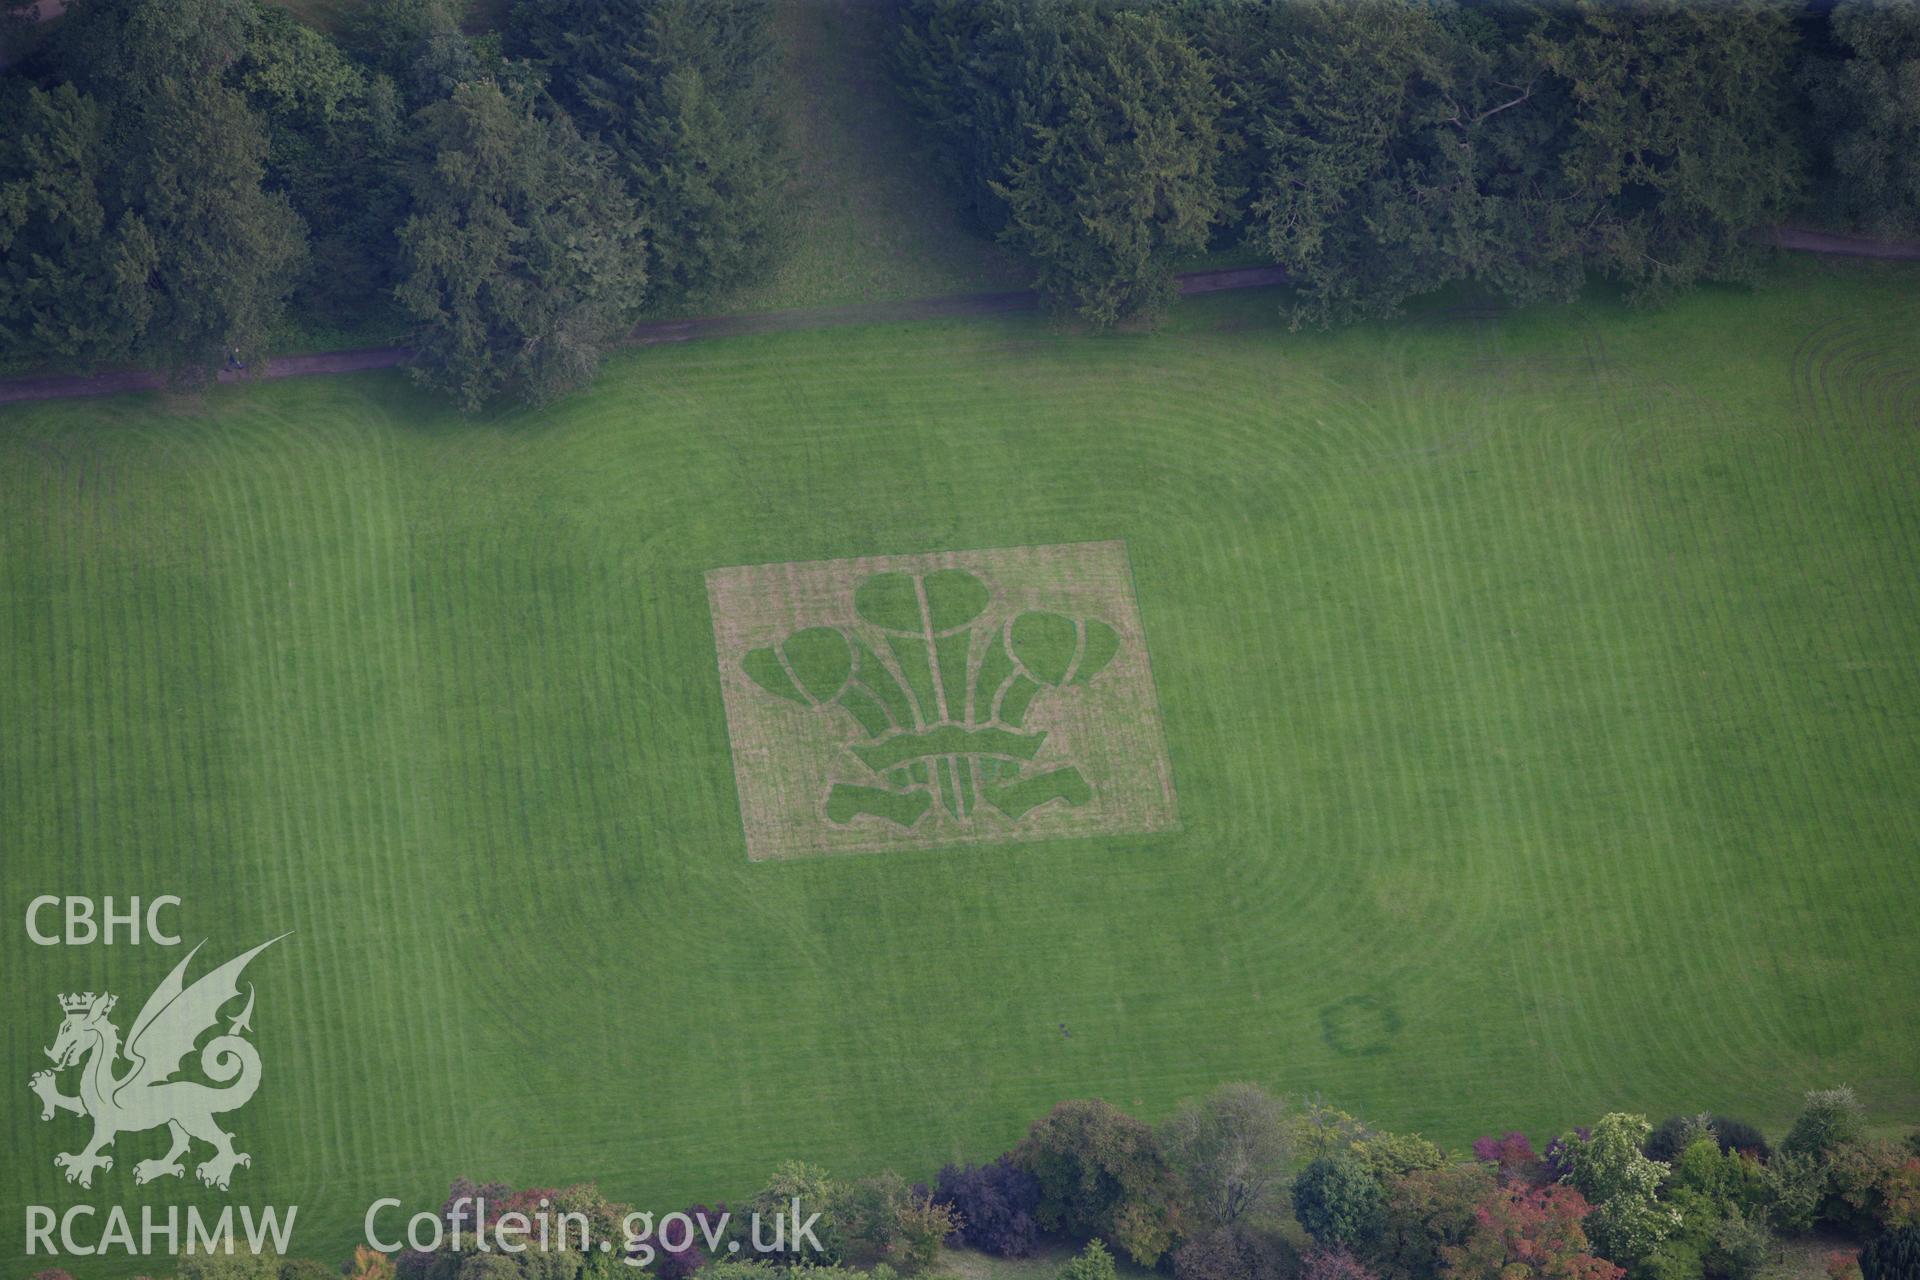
point(1847, 373)
point(1437, 712)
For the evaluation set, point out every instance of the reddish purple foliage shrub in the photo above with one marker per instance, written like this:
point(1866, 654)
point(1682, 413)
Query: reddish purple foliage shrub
point(1323, 1262)
point(996, 1204)
point(1512, 1154)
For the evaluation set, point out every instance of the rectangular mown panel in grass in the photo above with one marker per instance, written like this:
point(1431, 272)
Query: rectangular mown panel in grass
point(882, 702)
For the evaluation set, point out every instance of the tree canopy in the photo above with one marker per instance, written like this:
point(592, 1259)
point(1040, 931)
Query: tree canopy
point(678, 91)
point(132, 202)
point(522, 257)
point(1866, 105)
point(1121, 177)
point(1382, 149)
point(188, 182)
point(178, 176)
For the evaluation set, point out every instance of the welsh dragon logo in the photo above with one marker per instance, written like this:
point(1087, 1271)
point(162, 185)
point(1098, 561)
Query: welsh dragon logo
point(146, 1095)
point(939, 696)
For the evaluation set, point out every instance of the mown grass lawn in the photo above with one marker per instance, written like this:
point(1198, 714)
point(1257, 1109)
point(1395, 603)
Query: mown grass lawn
point(1540, 693)
point(867, 219)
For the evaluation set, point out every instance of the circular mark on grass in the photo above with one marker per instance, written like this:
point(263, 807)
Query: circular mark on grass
point(1359, 1026)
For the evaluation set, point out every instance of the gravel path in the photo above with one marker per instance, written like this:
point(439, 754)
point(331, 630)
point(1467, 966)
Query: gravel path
point(661, 332)
point(1805, 241)
point(652, 333)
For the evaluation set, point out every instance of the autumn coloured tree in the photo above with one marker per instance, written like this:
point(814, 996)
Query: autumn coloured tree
point(1529, 1233)
point(995, 1203)
point(1512, 1156)
point(1332, 1262)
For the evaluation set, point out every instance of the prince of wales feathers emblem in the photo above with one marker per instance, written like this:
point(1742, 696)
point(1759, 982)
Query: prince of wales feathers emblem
point(146, 1095)
point(945, 720)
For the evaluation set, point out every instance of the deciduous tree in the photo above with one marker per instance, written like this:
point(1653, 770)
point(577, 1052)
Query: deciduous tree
point(817, 1192)
point(1529, 1233)
point(1232, 1149)
point(1623, 1186)
point(1512, 1155)
point(1101, 1174)
point(1337, 1202)
point(1828, 1119)
point(995, 1204)
point(1423, 1214)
